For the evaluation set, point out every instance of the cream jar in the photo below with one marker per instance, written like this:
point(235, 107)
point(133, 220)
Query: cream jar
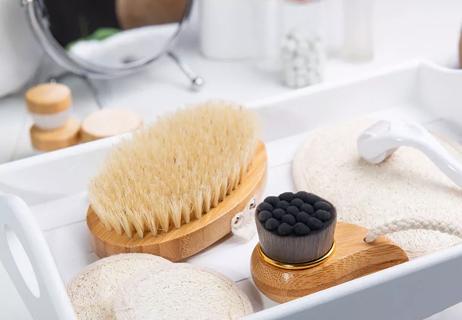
point(49, 105)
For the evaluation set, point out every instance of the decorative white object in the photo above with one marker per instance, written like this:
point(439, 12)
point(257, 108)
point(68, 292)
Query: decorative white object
point(243, 223)
point(20, 55)
point(302, 60)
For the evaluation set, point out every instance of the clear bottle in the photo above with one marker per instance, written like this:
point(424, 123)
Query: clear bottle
point(305, 17)
point(303, 47)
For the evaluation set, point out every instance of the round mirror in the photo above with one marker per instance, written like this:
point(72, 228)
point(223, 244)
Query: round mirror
point(106, 38)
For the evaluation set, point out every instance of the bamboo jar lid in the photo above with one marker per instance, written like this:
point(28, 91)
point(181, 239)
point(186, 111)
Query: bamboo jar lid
point(48, 140)
point(109, 122)
point(47, 98)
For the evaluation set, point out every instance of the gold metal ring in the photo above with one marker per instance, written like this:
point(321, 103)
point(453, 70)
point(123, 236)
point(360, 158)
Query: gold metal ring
point(295, 266)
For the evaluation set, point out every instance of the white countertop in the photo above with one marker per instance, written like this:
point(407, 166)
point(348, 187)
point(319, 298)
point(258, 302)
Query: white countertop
point(404, 30)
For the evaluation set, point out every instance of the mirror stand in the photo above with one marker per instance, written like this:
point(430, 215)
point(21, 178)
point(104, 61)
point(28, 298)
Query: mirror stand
point(196, 81)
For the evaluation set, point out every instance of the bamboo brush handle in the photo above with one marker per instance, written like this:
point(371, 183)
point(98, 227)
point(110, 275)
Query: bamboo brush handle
point(352, 258)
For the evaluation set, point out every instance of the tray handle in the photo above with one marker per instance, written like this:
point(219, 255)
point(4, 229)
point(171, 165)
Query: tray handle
point(26, 257)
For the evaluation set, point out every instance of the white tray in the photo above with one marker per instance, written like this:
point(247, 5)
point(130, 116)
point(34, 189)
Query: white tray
point(53, 186)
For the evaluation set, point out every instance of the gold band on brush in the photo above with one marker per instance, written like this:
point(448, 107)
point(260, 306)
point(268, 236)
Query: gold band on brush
point(295, 266)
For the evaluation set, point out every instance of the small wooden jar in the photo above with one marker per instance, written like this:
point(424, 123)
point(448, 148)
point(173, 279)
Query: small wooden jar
point(49, 105)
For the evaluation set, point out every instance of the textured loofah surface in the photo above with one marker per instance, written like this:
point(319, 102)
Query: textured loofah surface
point(180, 292)
point(405, 185)
point(176, 170)
point(91, 291)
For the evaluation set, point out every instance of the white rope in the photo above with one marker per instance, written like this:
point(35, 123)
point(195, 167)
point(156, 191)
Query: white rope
point(413, 224)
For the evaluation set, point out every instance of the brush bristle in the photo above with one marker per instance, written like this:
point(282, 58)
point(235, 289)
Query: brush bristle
point(176, 170)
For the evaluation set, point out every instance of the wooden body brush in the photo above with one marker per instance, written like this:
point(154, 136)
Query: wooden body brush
point(173, 189)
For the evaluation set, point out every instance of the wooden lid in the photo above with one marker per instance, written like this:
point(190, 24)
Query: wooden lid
point(48, 140)
point(48, 98)
point(109, 122)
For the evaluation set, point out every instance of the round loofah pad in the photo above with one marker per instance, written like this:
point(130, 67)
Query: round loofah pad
point(91, 291)
point(180, 292)
point(405, 185)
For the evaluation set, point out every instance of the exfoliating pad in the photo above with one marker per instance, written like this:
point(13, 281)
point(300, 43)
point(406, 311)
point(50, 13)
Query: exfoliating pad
point(405, 185)
point(174, 188)
point(180, 292)
point(92, 290)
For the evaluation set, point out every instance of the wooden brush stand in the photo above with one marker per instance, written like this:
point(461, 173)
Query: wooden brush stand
point(351, 258)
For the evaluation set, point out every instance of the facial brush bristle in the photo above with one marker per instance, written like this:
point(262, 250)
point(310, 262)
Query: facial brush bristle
point(176, 170)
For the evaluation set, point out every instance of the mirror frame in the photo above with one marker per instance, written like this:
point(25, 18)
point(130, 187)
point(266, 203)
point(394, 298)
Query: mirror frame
point(38, 19)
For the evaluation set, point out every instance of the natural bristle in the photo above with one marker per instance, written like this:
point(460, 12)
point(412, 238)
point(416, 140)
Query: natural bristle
point(176, 170)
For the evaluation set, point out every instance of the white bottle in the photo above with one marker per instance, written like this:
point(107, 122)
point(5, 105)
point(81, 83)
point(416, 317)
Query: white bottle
point(227, 29)
point(268, 33)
